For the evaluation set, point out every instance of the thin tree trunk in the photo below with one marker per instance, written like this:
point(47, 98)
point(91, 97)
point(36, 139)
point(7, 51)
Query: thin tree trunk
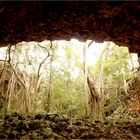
point(27, 97)
point(85, 79)
point(50, 88)
point(132, 62)
point(49, 98)
point(139, 77)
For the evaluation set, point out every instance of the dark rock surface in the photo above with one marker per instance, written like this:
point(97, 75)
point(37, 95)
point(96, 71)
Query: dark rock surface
point(34, 127)
point(116, 21)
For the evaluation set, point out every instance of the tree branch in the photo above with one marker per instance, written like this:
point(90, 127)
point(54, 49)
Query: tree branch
point(3, 66)
point(38, 73)
point(16, 74)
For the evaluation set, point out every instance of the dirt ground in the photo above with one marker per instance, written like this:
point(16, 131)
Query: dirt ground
point(53, 126)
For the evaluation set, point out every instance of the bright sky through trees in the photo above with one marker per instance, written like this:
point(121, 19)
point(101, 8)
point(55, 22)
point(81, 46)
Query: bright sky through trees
point(93, 52)
point(76, 46)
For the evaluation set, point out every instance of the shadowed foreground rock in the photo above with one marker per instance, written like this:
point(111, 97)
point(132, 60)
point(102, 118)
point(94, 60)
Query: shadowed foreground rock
point(43, 126)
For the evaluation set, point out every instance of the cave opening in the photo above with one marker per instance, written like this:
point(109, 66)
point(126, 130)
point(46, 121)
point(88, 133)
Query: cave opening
point(54, 74)
point(72, 79)
point(62, 89)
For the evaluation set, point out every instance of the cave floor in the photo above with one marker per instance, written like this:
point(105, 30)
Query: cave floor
point(53, 126)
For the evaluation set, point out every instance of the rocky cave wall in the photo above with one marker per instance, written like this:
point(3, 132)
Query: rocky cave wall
point(116, 21)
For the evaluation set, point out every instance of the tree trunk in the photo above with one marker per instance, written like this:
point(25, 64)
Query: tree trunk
point(85, 80)
point(94, 100)
point(49, 98)
point(93, 103)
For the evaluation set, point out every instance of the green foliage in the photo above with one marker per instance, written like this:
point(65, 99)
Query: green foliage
point(115, 63)
point(67, 83)
point(69, 104)
point(111, 103)
point(67, 101)
point(67, 78)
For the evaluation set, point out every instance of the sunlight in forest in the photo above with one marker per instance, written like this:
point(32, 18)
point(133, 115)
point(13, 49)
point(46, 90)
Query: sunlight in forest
point(52, 76)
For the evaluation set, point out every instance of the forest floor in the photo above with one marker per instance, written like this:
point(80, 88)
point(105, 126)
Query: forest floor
point(53, 126)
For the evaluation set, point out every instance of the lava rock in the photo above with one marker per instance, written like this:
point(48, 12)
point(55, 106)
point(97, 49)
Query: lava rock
point(65, 120)
point(6, 117)
point(14, 114)
point(2, 134)
point(6, 125)
point(23, 132)
point(69, 129)
point(56, 136)
point(33, 125)
point(21, 117)
point(15, 123)
point(13, 135)
point(39, 116)
point(23, 125)
point(9, 118)
point(51, 117)
point(46, 132)
point(78, 122)
point(84, 136)
point(56, 119)
point(61, 126)
point(33, 135)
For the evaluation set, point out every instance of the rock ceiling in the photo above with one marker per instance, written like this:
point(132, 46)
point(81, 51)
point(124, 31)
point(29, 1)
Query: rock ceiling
point(97, 20)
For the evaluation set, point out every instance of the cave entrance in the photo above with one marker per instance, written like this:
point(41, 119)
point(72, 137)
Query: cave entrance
point(71, 78)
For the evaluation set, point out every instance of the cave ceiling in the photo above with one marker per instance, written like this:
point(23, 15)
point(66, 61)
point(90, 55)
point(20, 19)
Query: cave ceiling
point(116, 21)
